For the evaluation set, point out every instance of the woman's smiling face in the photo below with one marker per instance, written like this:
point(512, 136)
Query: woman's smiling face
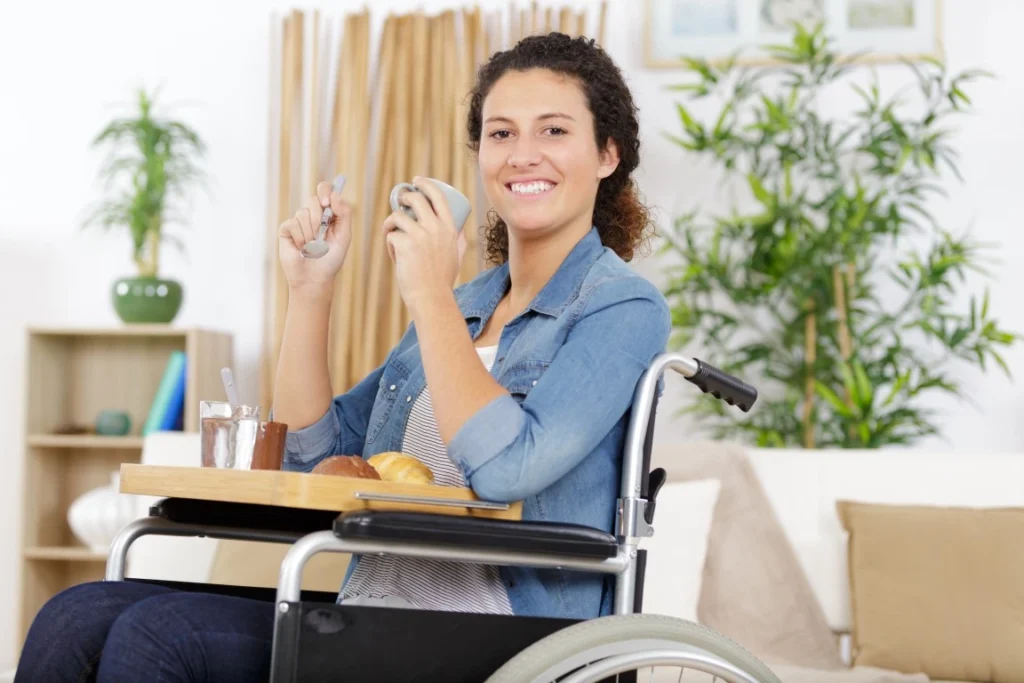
point(539, 160)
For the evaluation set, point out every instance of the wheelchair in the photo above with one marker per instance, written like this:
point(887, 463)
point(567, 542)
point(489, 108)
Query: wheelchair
point(316, 639)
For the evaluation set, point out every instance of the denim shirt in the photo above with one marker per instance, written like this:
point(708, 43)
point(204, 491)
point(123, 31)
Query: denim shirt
point(570, 363)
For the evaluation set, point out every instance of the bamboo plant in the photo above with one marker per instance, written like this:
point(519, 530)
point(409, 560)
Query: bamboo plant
point(837, 291)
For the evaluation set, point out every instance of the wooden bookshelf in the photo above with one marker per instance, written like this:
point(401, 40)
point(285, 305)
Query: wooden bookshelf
point(72, 374)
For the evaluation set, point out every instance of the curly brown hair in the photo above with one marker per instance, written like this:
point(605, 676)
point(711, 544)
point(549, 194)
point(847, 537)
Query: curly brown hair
point(622, 220)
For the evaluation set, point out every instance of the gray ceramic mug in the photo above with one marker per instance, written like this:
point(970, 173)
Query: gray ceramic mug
point(457, 202)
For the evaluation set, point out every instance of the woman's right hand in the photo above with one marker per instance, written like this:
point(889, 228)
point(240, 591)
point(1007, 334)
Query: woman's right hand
point(301, 272)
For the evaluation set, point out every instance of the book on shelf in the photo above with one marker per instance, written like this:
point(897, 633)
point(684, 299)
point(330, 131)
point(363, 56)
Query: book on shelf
point(166, 413)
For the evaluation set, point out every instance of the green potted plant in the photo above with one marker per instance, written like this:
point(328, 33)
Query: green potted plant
point(831, 283)
point(151, 164)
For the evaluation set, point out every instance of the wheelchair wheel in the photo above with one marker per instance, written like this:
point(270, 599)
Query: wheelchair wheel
point(597, 649)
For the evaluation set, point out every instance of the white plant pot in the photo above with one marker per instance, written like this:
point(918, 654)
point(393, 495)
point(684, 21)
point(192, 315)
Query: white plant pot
point(96, 516)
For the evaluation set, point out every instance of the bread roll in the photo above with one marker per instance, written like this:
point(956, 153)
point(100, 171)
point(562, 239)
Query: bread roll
point(399, 467)
point(346, 466)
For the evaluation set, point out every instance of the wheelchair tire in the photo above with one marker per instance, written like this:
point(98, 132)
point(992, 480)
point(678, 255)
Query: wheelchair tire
point(587, 642)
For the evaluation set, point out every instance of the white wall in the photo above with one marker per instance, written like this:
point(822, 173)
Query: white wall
point(64, 63)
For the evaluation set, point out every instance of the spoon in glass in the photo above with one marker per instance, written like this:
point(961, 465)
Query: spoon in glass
point(318, 247)
point(228, 378)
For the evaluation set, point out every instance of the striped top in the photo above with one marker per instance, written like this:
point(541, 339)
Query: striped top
point(431, 584)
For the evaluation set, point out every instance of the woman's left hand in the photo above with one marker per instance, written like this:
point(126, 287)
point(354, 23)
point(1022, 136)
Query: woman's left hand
point(427, 252)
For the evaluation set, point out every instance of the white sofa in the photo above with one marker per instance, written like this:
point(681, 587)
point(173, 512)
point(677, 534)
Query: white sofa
point(802, 488)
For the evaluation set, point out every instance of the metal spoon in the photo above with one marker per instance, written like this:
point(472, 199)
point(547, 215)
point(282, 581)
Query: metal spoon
point(228, 378)
point(318, 247)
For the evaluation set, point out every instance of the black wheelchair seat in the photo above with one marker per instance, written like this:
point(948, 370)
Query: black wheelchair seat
point(331, 643)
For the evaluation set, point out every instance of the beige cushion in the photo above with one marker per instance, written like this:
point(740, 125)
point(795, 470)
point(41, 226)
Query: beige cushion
point(754, 589)
point(938, 590)
point(248, 563)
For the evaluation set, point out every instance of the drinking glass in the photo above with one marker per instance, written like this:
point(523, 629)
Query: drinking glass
point(228, 434)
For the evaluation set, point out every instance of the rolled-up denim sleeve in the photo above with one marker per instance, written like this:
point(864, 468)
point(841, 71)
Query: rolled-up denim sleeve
point(339, 431)
point(509, 451)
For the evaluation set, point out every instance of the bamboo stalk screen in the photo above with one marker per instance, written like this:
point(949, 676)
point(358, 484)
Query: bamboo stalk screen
point(378, 116)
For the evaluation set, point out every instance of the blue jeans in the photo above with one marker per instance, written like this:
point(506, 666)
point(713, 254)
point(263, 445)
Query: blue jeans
point(126, 632)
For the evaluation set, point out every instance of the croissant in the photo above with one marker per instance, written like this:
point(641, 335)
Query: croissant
point(399, 467)
point(346, 466)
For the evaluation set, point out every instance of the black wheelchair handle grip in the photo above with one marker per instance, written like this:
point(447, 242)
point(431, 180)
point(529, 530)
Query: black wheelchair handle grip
point(724, 386)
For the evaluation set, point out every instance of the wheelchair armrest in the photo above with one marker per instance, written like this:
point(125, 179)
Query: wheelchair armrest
point(472, 532)
point(243, 515)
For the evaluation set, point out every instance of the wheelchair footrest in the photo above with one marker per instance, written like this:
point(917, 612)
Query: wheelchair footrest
point(243, 515)
point(472, 532)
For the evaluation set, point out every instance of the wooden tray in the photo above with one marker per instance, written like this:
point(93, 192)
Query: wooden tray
point(310, 491)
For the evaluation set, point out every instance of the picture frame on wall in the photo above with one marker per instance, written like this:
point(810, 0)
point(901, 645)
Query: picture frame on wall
point(875, 30)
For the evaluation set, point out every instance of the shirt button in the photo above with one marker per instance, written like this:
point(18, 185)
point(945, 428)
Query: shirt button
point(391, 388)
point(534, 383)
point(408, 398)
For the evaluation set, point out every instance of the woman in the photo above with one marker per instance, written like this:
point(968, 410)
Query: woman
point(517, 383)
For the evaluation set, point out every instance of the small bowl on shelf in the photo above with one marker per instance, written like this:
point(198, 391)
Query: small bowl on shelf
point(113, 423)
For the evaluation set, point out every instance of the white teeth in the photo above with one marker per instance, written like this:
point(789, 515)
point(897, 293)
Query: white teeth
point(531, 188)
